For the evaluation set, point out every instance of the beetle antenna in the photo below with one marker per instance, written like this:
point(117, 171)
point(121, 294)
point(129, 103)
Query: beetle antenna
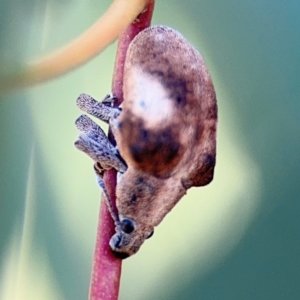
point(110, 206)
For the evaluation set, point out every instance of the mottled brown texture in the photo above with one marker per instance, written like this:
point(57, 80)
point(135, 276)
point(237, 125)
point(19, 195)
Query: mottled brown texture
point(182, 142)
point(169, 146)
point(145, 200)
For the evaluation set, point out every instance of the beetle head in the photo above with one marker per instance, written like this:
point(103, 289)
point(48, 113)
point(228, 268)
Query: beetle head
point(129, 237)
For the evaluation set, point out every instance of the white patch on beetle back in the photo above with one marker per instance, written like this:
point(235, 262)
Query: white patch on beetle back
point(148, 99)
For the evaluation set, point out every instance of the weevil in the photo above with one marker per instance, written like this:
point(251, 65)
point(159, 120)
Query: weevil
point(165, 132)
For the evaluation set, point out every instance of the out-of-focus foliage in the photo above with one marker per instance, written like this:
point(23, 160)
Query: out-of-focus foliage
point(238, 238)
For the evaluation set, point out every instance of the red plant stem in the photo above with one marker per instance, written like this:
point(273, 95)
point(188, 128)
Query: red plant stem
point(143, 21)
point(106, 273)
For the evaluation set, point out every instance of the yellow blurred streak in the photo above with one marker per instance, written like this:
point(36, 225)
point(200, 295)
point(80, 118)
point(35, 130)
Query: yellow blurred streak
point(26, 273)
point(89, 44)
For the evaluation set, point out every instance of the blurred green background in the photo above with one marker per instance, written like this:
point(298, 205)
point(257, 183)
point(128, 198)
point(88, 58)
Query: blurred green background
point(238, 238)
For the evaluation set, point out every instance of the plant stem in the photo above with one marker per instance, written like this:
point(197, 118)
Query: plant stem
point(105, 281)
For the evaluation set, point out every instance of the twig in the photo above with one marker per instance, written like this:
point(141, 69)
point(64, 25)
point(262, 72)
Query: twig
point(106, 272)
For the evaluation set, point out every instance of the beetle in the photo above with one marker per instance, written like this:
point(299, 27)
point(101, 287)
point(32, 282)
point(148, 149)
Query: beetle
point(165, 132)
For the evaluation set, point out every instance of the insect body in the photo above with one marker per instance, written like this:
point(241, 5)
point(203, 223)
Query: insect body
point(165, 133)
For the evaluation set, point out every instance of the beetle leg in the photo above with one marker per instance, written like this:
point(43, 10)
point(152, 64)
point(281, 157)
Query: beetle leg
point(95, 144)
point(101, 110)
point(109, 100)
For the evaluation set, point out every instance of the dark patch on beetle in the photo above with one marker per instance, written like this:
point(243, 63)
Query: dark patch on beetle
point(140, 180)
point(120, 124)
point(212, 113)
point(207, 170)
point(179, 99)
point(145, 146)
point(143, 190)
point(176, 86)
point(143, 134)
point(177, 90)
point(139, 191)
point(203, 174)
point(157, 73)
point(133, 198)
point(160, 146)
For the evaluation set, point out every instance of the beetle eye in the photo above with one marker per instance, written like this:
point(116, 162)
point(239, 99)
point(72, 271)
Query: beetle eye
point(127, 225)
point(149, 236)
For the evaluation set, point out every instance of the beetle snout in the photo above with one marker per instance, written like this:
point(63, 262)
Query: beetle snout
point(116, 246)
